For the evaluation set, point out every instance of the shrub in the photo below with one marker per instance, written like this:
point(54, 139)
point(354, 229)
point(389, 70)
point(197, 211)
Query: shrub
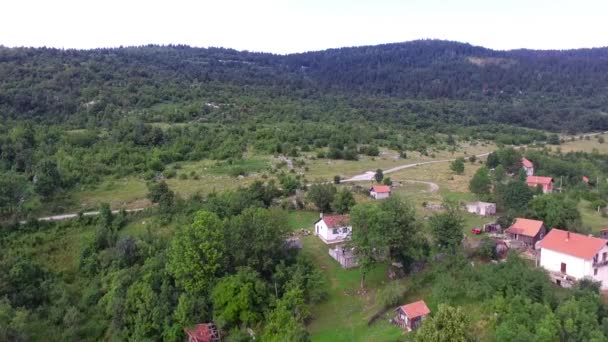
point(391, 294)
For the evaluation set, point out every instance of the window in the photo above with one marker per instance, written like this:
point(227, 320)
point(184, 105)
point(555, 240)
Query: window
point(595, 271)
point(335, 231)
point(345, 230)
point(563, 267)
point(604, 255)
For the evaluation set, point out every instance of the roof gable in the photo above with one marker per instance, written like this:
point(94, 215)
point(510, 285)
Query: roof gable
point(333, 221)
point(526, 163)
point(578, 245)
point(539, 180)
point(415, 309)
point(381, 189)
point(525, 227)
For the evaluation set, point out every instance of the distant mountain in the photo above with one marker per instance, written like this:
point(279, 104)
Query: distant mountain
point(426, 80)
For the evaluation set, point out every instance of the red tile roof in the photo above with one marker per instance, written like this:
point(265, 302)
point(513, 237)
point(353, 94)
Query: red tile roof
point(526, 163)
point(416, 309)
point(525, 227)
point(381, 189)
point(539, 180)
point(585, 179)
point(578, 245)
point(200, 333)
point(333, 221)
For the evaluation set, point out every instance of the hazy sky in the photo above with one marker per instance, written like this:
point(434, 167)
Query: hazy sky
point(294, 26)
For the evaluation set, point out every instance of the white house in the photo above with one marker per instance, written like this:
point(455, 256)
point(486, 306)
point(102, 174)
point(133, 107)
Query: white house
point(569, 257)
point(528, 166)
point(482, 208)
point(380, 191)
point(333, 228)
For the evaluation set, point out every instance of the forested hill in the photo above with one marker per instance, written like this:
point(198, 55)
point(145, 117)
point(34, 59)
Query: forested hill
point(418, 81)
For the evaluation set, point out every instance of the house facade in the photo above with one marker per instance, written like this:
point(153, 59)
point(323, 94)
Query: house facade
point(411, 316)
point(569, 257)
point(546, 183)
point(380, 191)
point(528, 166)
point(482, 208)
point(333, 228)
point(527, 231)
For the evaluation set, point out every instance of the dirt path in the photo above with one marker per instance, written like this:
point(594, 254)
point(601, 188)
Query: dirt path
point(433, 187)
point(369, 175)
point(88, 213)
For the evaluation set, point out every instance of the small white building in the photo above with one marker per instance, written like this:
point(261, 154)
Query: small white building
point(482, 208)
point(380, 191)
point(528, 166)
point(569, 257)
point(333, 228)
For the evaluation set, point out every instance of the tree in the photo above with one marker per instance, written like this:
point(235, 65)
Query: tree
point(514, 195)
point(499, 174)
point(322, 195)
point(480, 184)
point(343, 201)
point(447, 226)
point(161, 194)
point(47, 179)
point(556, 211)
point(387, 181)
point(368, 222)
point(286, 321)
point(379, 175)
point(457, 166)
point(239, 299)
point(336, 179)
point(14, 191)
point(400, 235)
point(448, 324)
point(197, 252)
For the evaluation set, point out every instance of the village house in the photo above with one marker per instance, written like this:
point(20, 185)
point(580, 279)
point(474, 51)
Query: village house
point(569, 257)
point(410, 316)
point(333, 228)
point(482, 208)
point(546, 183)
point(528, 166)
point(380, 191)
point(527, 231)
point(205, 332)
point(585, 179)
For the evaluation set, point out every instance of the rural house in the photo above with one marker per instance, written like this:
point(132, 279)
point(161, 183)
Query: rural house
point(205, 332)
point(380, 191)
point(527, 231)
point(333, 228)
point(585, 179)
point(410, 316)
point(528, 166)
point(546, 183)
point(482, 208)
point(569, 257)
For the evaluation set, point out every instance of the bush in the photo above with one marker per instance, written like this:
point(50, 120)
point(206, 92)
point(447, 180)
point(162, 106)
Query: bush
point(391, 294)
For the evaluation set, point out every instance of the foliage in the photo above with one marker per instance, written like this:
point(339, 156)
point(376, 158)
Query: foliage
point(378, 176)
point(481, 183)
point(457, 166)
point(447, 226)
point(447, 324)
point(556, 211)
point(343, 201)
point(391, 294)
point(322, 195)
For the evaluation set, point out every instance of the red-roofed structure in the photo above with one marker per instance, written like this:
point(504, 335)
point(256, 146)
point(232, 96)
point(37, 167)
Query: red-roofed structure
point(546, 183)
point(585, 179)
point(571, 256)
point(205, 332)
point(333, 228)
point(526, 230)
point(528, 166)
point(410, 316)
point(380, 191)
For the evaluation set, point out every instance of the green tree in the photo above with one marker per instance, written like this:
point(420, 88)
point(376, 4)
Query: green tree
point(197, 252)
point(457, 166)
point(239, 299)
point(322, 195)
point(448, 324)
point(14, 191)
point(447, 226)
point(514, 195)
point(481, 183)
point(379, 175)
point(499, 173)
point(161, 194)
point(556, 211)
point(343, 201)
point(48, 179)
point(387, 181)
point(286, 321)
point(368, 224)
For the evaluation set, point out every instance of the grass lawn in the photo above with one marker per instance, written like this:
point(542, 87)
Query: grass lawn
point(302, 219)
point(591, 218)
point(585, 145)
point(344, 315)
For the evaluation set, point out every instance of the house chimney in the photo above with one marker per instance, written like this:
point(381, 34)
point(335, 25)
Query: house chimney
point(567, 236)
point(321, 215)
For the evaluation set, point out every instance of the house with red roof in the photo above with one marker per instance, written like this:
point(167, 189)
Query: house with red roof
point(569, 257)
point(380, 191)
point(410, 316)
point(333, 229)
point(205, 332)
point(585, 179)
point(527, 231)
point(546, 183)
point(528, 166)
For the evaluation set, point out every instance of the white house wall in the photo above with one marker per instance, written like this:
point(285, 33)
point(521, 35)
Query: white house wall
point(328, 235)
point(575, 267)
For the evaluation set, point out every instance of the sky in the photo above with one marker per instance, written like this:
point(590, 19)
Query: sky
point(295, 26)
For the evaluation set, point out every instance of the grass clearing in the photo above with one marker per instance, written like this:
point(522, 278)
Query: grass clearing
point(591, 218)
point(585, 145)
